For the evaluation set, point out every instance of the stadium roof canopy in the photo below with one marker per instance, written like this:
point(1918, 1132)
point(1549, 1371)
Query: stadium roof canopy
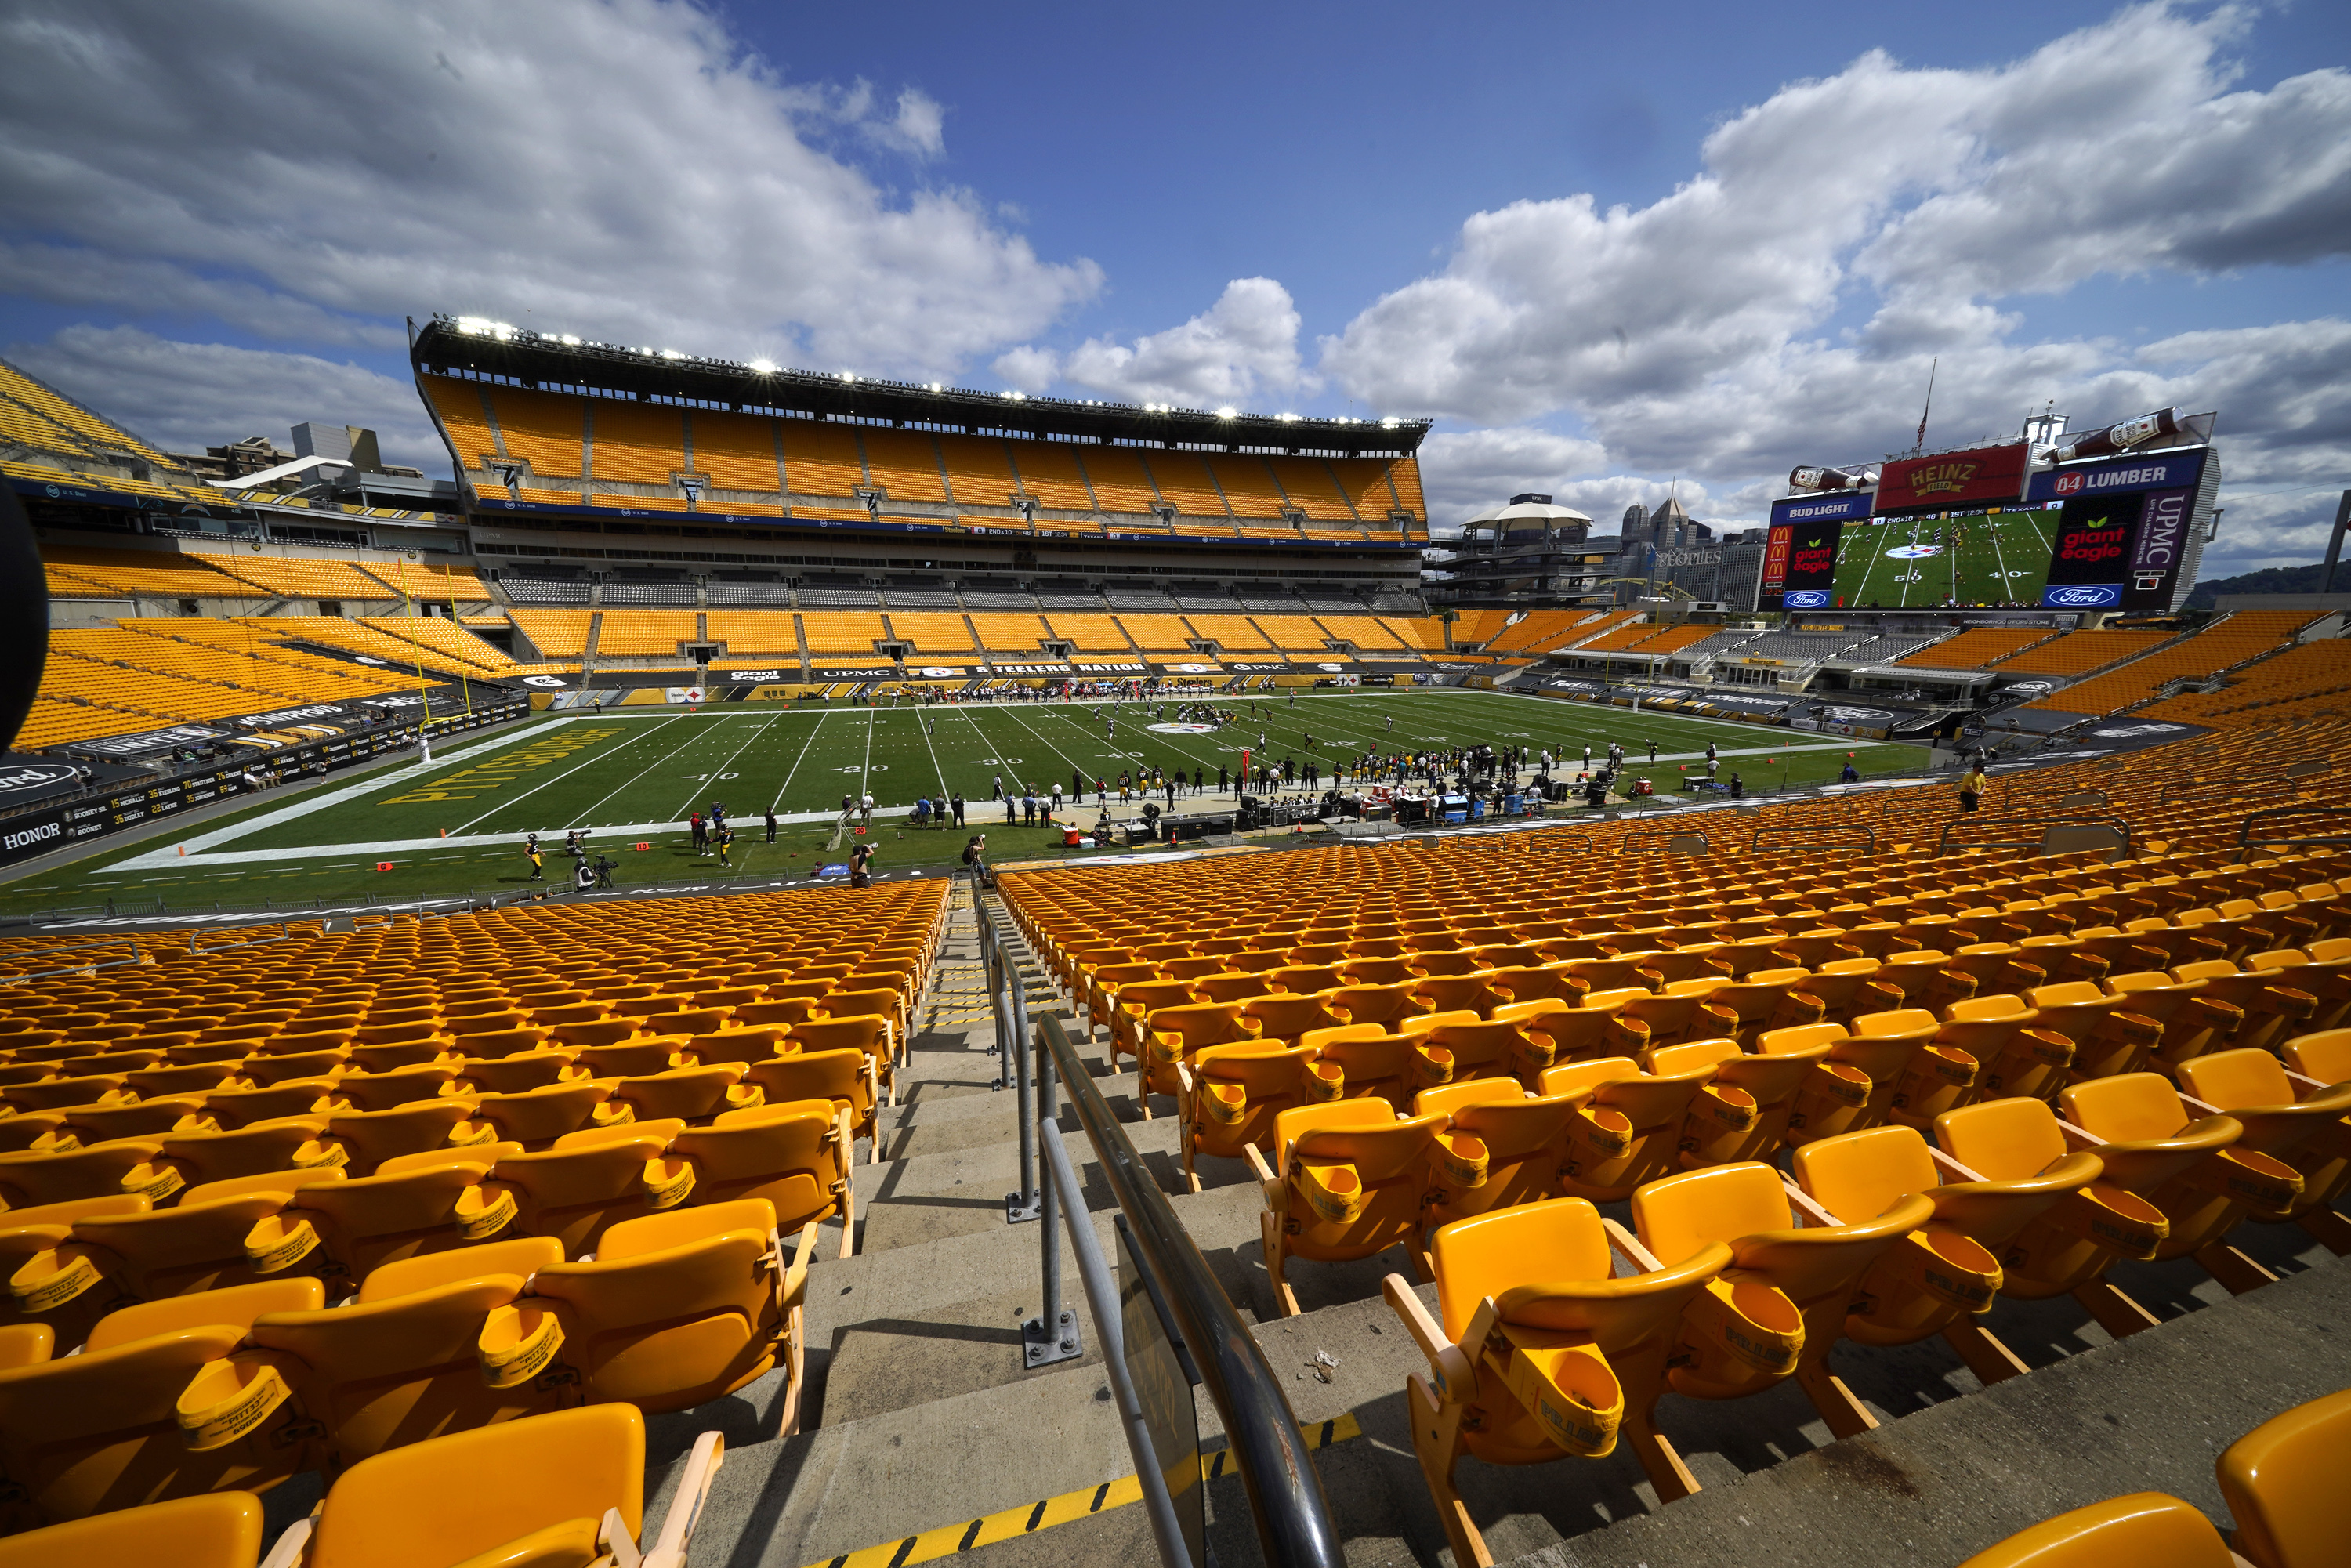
point(472, 347)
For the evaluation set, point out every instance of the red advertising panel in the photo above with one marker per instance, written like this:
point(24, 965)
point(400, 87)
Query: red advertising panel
point(1988, 474)
point(1776, 545)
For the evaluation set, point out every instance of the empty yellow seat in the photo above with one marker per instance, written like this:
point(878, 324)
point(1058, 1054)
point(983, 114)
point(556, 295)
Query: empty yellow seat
point(1541, 1346)
point(107, 1430)
point(1350, 1184)
point(571, 1490)
point(1229, 1095)
point(2284, 1484)
point(676, 1310)
point(2146, 1530)
point(1777, 1310)
point(792, 1154)
point(215, 1530)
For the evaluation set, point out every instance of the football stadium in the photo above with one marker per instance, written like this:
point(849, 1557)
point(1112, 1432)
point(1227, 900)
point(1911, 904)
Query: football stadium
point(773, 967)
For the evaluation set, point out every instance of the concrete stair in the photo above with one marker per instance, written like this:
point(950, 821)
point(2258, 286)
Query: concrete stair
point(917, 1416)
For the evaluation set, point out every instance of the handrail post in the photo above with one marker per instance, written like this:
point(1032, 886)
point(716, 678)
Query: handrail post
point(1052, 1335)
point(1005, 989)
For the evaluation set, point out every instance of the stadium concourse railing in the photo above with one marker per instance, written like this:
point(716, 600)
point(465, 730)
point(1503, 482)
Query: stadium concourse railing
point(1172, 1324)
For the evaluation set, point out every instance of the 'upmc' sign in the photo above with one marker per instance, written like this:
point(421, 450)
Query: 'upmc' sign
point(2124, 530)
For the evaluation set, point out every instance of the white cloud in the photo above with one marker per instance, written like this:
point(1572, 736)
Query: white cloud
point(622, 170)
point(1026, 369)
point(184, 397)
point(1694, 334)
point(1244, 345)
point(1463, 472)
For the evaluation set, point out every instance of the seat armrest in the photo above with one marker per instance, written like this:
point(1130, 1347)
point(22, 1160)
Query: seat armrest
point(293, 1543)
point(669, 1548)
point(1801, 1202)
point(1449, 1368)
point(1628, 1246)
point(1952, 1169)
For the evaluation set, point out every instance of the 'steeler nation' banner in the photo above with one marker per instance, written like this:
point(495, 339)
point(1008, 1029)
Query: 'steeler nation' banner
point(1952, 479)
point(2125, 532)
point(1800, 552)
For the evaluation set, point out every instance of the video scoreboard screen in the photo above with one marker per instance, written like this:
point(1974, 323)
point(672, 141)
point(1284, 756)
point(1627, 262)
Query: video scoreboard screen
point(2121, 534)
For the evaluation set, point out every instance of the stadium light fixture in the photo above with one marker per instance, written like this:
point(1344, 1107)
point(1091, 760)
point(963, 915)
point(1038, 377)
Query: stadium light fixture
point(1228, 414)
point(671, 354)
point(1389, 424)
point(568, 341)
point(765, 367)
point(1287, 418)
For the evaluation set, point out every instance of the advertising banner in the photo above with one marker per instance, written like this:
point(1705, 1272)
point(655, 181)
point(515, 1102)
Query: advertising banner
point(146, 741)
point(33, 833)
point(1811, 579)
point(1779, 542)
point(2119, 552)
point(1952, 479)
point(2156, 471)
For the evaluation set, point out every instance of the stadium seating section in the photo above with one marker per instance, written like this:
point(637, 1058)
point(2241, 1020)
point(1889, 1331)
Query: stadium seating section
point(1977, 647)
point(603, 442)
point(599, 1147)
point(2226, 642)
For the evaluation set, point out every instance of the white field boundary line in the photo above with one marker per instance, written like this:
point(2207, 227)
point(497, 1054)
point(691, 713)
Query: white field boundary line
point(814, 730)
point(382, 849)
point(375, 782)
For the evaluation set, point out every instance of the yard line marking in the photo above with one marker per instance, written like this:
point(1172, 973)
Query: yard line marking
point(593, 758)
point(823, 713)
point(755, 733)
point(582, 816)
point(865, 779)
point(923, 721)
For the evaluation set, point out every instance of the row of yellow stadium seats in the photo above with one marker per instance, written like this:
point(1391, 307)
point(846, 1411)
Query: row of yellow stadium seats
point(2224, 930)
point(571, 1487)
point(96, 1243)
point(2280, 1483)
point(1746, 985)
point(245, 1386)
point(1739, 1277)
point(369, 1116)
point(1905, 1062)
point(384, 1017)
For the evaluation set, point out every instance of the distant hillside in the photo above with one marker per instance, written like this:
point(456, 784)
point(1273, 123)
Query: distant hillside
point(2269, 580)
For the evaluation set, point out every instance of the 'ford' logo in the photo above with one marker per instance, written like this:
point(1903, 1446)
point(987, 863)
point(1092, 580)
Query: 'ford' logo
point(1805, 599)
point(2100, 595)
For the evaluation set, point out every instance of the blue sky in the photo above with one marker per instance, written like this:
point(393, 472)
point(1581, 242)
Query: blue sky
point(1611, 249)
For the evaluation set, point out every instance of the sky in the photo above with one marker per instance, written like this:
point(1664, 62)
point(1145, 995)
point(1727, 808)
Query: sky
point(1615, 252)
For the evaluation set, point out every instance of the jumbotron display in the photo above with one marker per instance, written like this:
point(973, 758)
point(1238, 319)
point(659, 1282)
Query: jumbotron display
point(2003, 525)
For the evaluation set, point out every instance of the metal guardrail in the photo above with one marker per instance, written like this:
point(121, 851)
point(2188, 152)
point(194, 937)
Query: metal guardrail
point(1805, 833)
point(73, 968)
point(2247, 837)
point(2044, 825)
point(1292, 1517)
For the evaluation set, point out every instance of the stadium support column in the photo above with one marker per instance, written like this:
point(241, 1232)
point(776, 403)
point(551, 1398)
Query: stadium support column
point(2335, 543)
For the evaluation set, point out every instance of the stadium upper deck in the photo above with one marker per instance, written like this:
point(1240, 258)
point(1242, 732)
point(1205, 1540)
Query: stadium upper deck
point(544, 424)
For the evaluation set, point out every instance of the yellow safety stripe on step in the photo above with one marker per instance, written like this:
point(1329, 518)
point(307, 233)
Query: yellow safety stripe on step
point(948, 1540)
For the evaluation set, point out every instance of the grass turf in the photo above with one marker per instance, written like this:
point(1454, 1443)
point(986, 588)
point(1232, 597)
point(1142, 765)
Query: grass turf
point(641, 771)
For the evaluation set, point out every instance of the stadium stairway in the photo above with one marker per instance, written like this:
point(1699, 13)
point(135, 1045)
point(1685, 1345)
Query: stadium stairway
point(921, 1433)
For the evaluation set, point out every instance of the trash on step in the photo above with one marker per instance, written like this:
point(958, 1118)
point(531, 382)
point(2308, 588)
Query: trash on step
point(1322, 1364)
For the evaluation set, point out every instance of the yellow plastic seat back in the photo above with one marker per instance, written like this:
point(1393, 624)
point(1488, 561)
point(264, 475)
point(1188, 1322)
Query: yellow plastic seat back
point(574, 1194)
point(35, 1178)
point(790, 1154)
point(395, 1087)
point(218, 1529)
point(403, 1368)
point(1389, 1067)
point(423, 1127)
point(693, 1094)
point(1240, 1089)
point(1353, 1176)
point(840, 1076)
point(537, 1117)
point(557, 1474)
point(2144, 1530)
point(101, 1431)
point(678, 1309)
point(419, 1204)
point(2284, 1484)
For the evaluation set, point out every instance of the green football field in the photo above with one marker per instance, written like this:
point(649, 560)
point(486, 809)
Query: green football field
point(631, 775)
point(1988, 558)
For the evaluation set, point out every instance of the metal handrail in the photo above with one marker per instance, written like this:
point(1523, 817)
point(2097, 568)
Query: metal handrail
point(2040, 825)
point(1293, 1516)
point(2246, 837)
point(1755, 839)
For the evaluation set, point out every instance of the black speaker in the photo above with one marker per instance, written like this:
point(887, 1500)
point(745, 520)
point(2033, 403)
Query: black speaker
point(23, 615)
